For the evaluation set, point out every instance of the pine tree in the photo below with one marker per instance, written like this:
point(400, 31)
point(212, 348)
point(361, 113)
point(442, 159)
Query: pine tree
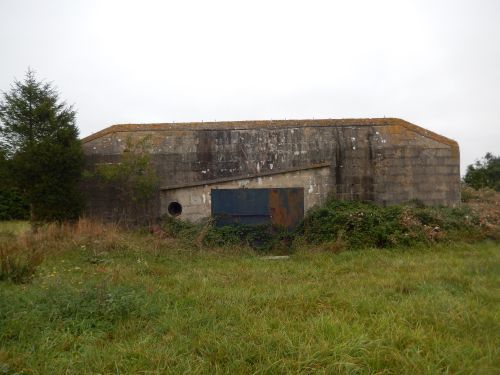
point(39, 136)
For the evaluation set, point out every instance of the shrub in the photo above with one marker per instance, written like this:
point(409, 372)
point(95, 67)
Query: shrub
point(264, 237)
point(485, 195)
point(368, 225)
point(340, 225)
point(177, 228)
point(260, 237)
point(133, 178)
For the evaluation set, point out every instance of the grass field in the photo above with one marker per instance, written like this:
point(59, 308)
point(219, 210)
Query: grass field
point(13, 227)
point(138, 305)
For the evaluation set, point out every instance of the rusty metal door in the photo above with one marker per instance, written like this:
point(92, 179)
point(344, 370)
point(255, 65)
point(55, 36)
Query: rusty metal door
point(286, 206)
point(278, 206)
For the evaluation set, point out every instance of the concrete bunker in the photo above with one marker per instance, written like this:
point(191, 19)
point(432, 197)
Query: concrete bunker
point(387, 161)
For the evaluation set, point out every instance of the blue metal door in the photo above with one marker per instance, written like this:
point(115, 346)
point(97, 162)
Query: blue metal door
point(279, 206)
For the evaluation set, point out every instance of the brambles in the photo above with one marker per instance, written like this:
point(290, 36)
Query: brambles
point(368, 225)
point(340, 225)
point(485, 204)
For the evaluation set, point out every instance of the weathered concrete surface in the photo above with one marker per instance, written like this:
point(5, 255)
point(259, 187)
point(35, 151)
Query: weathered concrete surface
point(196, 200)
point(387, 161)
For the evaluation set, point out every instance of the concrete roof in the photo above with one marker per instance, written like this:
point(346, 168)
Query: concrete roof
point(272, 124)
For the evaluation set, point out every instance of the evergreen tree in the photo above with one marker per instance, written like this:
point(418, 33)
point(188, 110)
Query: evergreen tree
point(39, 137)
point(12, 205)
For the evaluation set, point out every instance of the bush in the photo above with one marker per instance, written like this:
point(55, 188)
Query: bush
point(177, 228)
point(486, 195)
point(259, 237)
point(340, 225)
point(368, 225)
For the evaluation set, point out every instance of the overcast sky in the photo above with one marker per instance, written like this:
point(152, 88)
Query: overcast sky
point(435, 63)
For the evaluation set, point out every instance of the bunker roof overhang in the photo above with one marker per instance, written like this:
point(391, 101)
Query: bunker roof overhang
point(271, 124)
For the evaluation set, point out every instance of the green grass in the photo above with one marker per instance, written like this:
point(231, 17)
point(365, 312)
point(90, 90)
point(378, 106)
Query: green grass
point(13, 227)
point(150, 306)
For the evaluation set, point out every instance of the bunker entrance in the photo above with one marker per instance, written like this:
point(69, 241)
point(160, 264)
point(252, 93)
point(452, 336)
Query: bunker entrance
point(277, 206)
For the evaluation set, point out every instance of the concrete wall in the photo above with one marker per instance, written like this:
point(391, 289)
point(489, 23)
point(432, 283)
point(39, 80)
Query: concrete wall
point(196, 200)
point(382, 160)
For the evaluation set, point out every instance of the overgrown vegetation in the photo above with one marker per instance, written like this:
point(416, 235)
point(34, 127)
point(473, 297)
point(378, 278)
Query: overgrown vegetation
point(90, 297)
point(18, 264)
point(337, 226)
point(368, 225)
point(111, 301)
point(133, 178)
point(22, 250)
point(263, 238)
point(342, 225)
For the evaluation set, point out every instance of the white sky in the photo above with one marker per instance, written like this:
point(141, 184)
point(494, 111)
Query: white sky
point(435, 63)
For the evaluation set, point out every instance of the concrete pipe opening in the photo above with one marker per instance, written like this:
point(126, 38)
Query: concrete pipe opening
point(174, 208)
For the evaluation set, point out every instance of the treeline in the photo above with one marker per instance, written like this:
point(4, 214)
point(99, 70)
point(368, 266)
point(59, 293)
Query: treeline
point(484, 173)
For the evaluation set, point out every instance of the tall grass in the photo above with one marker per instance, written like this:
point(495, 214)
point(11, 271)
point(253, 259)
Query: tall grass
point(105, 300)
point(22, 249)
point(399, 311)
point(336, 226)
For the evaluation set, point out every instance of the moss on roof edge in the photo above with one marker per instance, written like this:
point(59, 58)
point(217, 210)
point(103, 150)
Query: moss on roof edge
point(235, 125)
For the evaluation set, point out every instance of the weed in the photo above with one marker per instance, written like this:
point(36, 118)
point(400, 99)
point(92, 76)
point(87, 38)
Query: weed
point(177, 228)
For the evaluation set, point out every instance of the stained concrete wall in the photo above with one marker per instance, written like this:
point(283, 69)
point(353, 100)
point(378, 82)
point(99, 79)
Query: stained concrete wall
point(196, 200)
point(387, 161)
